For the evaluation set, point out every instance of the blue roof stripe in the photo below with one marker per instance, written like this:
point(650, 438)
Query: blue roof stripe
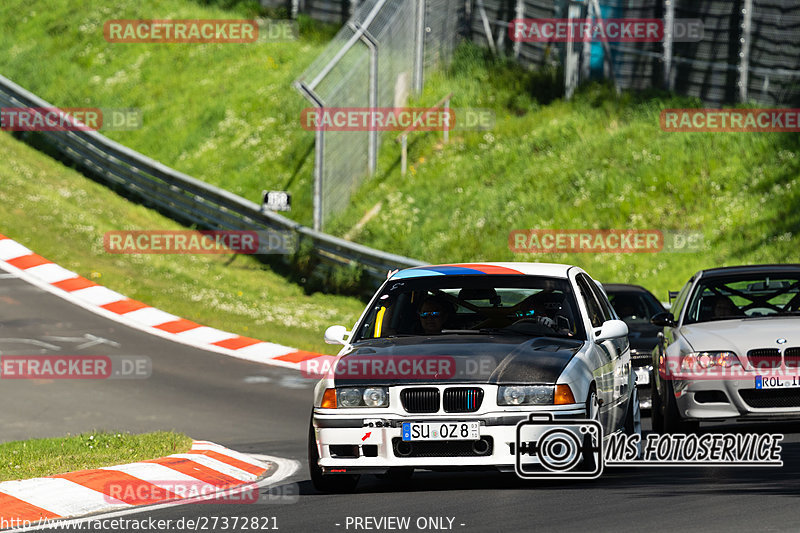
point(417, 272)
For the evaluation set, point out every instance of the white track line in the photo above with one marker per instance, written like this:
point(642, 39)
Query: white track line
point(284, 469)
point(60, 496)
point(264, 355)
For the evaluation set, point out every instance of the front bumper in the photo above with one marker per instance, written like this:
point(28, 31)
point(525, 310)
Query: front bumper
point(735, 399)
point(372, 443)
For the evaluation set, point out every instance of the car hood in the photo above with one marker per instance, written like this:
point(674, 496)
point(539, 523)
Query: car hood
point(472, 359)
point(743, 335)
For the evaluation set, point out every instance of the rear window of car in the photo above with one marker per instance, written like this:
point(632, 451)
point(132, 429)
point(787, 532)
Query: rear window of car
point(725, 298)
point(634, 306)
point(474, 304)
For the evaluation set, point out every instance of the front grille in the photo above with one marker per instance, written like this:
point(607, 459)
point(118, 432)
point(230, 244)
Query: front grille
point(639, 359)
point(768, 399)
point(421, 400)
point(791, 357)
point(765, 358)
point(445, 448)
point(463, 399)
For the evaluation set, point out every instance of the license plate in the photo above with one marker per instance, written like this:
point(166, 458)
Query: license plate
point(777, 382)
point(441, 431)
point(642, 376)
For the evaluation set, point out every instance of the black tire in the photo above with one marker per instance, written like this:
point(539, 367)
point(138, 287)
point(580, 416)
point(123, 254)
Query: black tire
point(673, 423)
point(633, 416)
point(333, 483)
point(589, 463)
point(657, 410)
point(633, 419)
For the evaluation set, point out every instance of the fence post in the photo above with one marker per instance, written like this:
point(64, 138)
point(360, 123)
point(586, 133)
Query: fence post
point(520, 14)
point(571, 56)
point(487, 28)
point(586, 54)
point(372, 148)
point(419, 46)
point(669, 28)
point(319, 154)
point(744, 53)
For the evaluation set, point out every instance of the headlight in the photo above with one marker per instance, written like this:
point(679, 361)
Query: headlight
point(706, 360)
point(359, 397)
point(376, 397)
point(525, 395)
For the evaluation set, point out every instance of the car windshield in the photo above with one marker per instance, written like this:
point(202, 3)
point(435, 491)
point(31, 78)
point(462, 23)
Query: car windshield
point(634, 306)
point(474, 305)
point(726, 298)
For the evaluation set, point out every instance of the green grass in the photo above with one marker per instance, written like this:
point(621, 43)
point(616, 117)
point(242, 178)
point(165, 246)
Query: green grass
point(228, 115)
point(63, 216)
point(27, 459)
point(223, 113)
point(599, 161)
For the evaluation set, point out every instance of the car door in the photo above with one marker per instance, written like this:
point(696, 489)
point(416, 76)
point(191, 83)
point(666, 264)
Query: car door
point(621, 353)
point(604, 354)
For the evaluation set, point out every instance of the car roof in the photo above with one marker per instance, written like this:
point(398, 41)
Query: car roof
point(620, 287)
point(509, 269)
point(749, 269)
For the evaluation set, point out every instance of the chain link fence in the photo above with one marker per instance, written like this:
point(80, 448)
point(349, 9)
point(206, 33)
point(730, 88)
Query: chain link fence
point(377, 59)
point(749, 51)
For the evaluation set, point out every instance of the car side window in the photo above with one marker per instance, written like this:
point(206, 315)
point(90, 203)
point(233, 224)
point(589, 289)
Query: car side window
point(595, 312)
point(680, 301)
point(605, 306)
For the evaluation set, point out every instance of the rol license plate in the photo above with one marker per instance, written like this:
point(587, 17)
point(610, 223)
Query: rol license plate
point(441, 431)
point(777, 382)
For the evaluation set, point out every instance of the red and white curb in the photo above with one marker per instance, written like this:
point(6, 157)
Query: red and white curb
point(35, 269)
point(206, 470)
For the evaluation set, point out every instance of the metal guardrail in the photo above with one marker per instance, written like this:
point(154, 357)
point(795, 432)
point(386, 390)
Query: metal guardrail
point(190, 200)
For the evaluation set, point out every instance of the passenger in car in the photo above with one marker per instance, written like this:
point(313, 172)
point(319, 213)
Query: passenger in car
point(719, 306)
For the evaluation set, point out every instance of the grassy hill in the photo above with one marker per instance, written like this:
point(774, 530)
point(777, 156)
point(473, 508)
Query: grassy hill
point(599, 161)
point(227, 114)
point(223, 113)
point(63, 216)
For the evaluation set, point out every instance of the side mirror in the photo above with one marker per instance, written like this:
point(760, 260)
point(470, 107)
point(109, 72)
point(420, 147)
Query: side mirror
point(664, 320)
point(611, 329)
point(336, 335)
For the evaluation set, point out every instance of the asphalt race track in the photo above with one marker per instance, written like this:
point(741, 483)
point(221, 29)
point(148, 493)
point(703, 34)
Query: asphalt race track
point(261, 409)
